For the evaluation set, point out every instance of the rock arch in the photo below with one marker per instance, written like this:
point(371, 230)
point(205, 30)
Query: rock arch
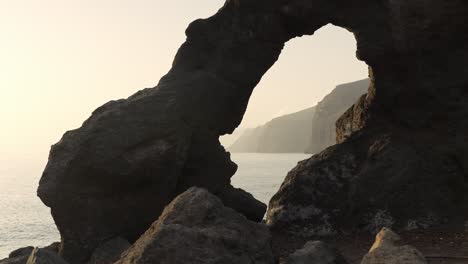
point(113, 176)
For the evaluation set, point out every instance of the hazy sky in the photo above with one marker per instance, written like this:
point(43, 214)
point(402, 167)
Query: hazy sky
point(60, 59)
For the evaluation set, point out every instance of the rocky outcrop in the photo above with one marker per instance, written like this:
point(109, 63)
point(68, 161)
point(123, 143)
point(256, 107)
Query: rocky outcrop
point(44, 256)
point(197, 228)
point(285, 134)
point(26, 251)
point(22, 255)
point(404, 145)
point(402, 158)
point(316, 252)
point(332, 107)
point(386, 250)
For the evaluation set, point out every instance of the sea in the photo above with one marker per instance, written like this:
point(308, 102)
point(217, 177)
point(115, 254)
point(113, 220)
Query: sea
point(25, 221)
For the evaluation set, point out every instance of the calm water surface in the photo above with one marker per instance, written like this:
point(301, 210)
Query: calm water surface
point(25, 221)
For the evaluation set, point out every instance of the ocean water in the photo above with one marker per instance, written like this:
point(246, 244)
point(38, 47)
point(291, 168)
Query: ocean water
point(25, 221)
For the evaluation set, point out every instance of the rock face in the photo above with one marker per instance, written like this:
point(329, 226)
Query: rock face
point(332, 107)
point(402, 161)
point(197, 228)
point(285, 134)
point(387, 251)
point(404, 145)
point(316, 252)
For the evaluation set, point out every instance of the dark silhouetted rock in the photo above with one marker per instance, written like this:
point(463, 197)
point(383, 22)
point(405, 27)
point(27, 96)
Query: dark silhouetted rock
point(402, 156)
point(332, 107)
point(21, 255)
point(387, 251)
point(285, 134)
point(403, 151)
point(18, 256)
point(316, 252)
point(16, 260)
point(26, 251)
point(54, 247)
point(109, 252)
point(44, 256)
point(197, 228)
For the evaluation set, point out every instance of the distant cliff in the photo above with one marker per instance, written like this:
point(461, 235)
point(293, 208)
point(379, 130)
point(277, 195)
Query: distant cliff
point(310, 130)
point(329, 110)
point(285, 134)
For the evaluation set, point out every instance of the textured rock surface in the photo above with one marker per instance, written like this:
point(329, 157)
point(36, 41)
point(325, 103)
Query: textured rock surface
point(316, 252)
point(197, 228)
point(402, 161)
point(21, 255)
point(407, 147)
point(285, 134)
point(15, 260)
point(109, 252)
point(44, 256)
point(387, 251)
point(26, 251)
point(332, 107)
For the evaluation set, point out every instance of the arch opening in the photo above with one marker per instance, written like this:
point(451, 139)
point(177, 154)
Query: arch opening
point(292, 111)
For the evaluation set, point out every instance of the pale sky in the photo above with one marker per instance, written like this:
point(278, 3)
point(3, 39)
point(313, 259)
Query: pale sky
point(61, 59)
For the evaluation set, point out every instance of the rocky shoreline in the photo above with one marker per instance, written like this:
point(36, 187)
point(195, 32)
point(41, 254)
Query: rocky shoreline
point(197, 228)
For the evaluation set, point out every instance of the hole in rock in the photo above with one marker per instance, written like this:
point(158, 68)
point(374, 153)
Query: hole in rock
point(292, 112)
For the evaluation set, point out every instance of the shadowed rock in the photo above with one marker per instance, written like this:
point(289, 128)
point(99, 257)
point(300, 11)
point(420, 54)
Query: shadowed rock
point(402, 159)
point(109, 252)
point(44, 256)
point(26, 251)
point(316, 252)
point(196, 228)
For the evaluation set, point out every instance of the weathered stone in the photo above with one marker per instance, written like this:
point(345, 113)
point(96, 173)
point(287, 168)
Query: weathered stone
point(387, 251)
point(109, 252)
point(26, 251)
point(196, 228)
point(316, 252)
point(44, 256)
point(21, 255)
point(403, 157)
point(404, 144)
point(54, 247)
point(15, 260)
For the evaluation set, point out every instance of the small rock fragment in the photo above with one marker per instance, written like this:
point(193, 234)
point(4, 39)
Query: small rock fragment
point(316, 252)
point(386, 251)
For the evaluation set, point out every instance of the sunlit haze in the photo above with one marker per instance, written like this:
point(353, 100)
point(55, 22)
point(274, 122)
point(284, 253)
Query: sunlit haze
point(60, 59)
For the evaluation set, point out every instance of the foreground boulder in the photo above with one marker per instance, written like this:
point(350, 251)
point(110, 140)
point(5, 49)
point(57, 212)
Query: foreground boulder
point(316, 252)
point(25, 251)
point(387, 251)
point(21, 255)
point(196, 228)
